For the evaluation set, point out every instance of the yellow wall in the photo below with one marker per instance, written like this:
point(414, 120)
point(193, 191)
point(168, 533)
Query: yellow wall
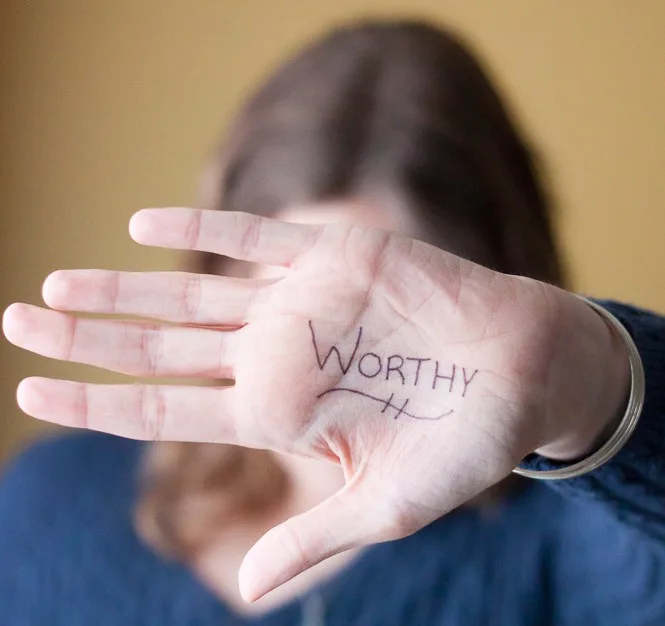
point(112, 105)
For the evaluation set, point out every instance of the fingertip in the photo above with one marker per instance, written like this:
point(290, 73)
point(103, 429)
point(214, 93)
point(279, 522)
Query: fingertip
point(266, 566)
point(56, 291)
point(247, 583)
point(30, 395)
point(166, 227)
point(13, 321)
point(141, 224)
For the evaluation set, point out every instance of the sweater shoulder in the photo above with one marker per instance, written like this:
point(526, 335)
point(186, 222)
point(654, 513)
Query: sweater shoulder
point(59, 468)
point(66, 526)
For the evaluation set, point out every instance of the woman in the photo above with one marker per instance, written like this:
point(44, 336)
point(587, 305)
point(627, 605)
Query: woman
point(393, 382)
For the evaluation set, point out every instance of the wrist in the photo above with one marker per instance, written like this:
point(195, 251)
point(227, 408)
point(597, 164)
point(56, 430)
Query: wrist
point(600, 378)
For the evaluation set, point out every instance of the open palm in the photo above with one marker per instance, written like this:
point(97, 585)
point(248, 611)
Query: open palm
point(422, 374)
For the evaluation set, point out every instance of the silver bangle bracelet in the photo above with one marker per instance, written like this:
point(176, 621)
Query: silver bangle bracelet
point(628, 422)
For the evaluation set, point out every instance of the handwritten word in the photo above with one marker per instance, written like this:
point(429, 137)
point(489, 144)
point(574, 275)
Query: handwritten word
point(405, 370)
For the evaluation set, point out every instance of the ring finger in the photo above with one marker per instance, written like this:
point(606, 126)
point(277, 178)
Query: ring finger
point(172, 296)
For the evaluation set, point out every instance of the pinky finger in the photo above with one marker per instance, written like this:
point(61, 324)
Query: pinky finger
point(146, 412)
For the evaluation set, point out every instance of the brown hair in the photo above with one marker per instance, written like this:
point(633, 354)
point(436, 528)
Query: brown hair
point(399, 106)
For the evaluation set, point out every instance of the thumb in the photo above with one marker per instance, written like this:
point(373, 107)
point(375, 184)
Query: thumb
point(337, 524)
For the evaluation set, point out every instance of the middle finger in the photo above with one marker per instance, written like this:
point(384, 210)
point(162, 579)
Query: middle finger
point(134, 348)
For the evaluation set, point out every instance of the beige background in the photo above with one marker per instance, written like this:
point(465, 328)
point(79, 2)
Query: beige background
point(113, 105)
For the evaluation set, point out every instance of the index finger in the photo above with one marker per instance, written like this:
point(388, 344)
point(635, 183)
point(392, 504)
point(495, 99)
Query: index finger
point(241, 236)
point(145, 412)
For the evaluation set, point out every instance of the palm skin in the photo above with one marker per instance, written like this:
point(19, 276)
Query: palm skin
point(425, 376)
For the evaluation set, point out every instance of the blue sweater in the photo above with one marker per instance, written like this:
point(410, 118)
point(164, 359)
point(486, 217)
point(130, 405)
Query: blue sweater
point(581, 552)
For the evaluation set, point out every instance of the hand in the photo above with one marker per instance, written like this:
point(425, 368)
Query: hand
point(425, 376)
